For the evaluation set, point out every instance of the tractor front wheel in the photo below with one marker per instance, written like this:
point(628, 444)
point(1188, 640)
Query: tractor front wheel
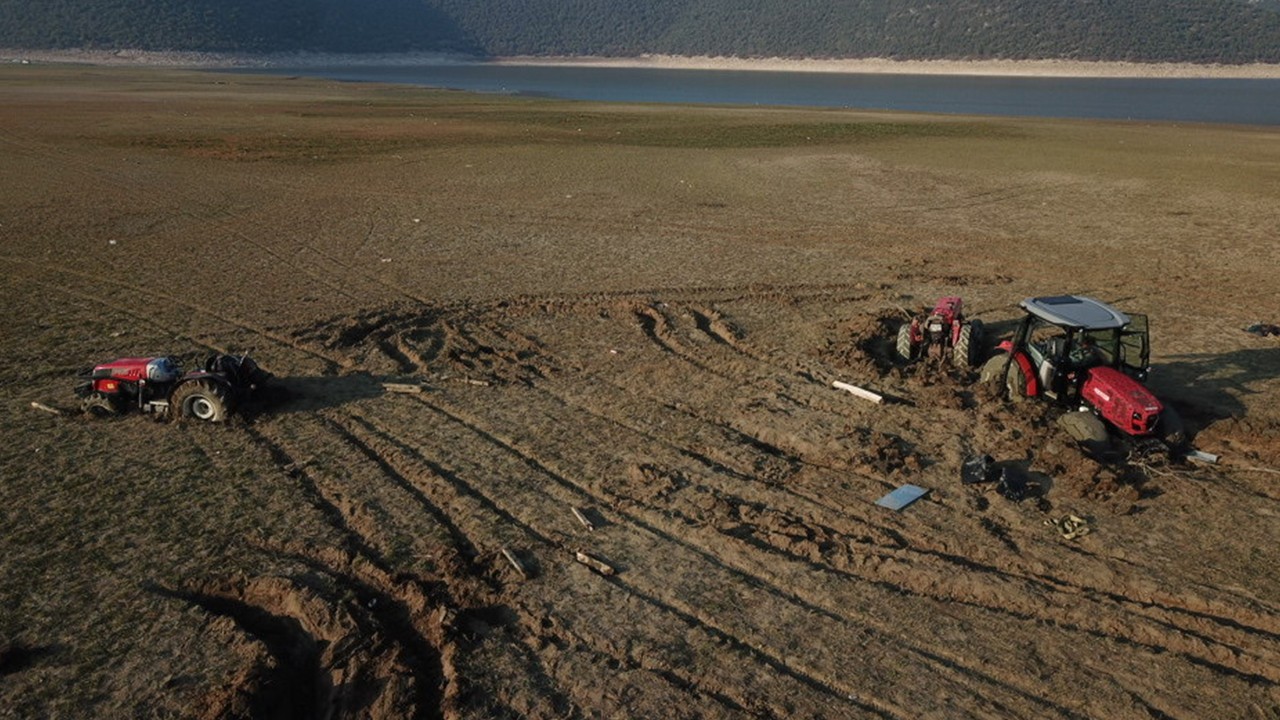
point(968, 345)
point(100, 405)
point(1086, 428)
point(905, 351)
point(200, 399)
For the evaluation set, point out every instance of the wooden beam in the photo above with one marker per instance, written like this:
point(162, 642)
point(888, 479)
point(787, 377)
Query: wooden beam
point(859, 392)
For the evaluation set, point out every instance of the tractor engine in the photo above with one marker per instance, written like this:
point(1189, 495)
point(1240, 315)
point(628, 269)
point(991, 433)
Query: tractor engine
point(127, 374)
point(940, 328)
point(1122, 401)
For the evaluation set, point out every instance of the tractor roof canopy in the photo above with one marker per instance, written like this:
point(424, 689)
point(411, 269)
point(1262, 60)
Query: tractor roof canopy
point(1075, 311)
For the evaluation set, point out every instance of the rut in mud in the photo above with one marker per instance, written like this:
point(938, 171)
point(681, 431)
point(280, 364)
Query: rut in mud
point(732, 487)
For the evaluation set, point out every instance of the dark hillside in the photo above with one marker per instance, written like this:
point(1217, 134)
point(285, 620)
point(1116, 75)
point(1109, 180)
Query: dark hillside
point(1205, 31)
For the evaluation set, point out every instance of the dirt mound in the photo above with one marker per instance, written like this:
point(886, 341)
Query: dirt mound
point(1243, 440)
point(864, 344)
point(329, 643)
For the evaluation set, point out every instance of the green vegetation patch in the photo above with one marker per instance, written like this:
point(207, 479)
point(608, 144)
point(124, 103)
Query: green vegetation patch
point(765, 135)
point(680, 130)
point(288, 148)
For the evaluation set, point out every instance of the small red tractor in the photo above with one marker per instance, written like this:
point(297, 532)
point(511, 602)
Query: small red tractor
point(158, 385)
point(942, 332)
point(1093, 359)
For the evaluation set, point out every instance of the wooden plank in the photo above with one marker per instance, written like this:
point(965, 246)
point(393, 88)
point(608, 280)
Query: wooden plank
point(590, 526)
point(593, 563)
point(45, 408)
point(858, 392)
point(402, 387)
point(515, 563)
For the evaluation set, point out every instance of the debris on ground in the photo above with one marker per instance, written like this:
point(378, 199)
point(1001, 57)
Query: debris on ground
point(395, 387)
point(515, 563)
point(1013, 483)
point(859, 392)
point(594, 563)
point(45, 408)
point(1263, 329)
point(902, 497)
point(1070, 526)
point(1201, 456)
point(979, 469)
point(582, 518)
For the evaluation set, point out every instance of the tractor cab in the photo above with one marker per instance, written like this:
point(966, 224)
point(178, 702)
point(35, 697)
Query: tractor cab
point(1089, 357)
point(1066, 335)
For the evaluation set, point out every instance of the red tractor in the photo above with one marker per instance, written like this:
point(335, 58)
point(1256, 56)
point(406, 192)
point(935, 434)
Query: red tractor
point(1092, 358)
point(157, 385)
point(942, 332)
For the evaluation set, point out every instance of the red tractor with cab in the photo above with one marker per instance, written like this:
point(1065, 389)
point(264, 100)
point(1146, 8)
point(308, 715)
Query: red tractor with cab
point(940, 333)
point(157, 385)
point(1090, 357)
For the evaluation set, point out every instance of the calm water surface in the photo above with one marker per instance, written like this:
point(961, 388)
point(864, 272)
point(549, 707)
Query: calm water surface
point(1252, 102)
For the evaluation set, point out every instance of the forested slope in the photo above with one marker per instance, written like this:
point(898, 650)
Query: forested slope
point(1229, 31)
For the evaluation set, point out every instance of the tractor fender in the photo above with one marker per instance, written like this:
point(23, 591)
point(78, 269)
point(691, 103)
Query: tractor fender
point(995, 368)
point(1028, 372)
point(203, 375)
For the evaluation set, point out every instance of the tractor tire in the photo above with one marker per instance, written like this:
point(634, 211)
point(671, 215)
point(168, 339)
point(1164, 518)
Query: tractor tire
point(968, 345)
point(992, 368)
point(1085, 428)
point(100, 405)
point(1170, 428)
point(204, 400)
point(1015, 381)
point(905, 351)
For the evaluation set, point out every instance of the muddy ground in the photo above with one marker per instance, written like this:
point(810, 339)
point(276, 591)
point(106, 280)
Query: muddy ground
point(636, 312)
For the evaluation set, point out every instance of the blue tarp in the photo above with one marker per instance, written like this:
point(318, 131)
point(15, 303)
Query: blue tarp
point(902, 497)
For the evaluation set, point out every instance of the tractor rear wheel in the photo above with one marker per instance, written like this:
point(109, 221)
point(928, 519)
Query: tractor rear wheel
point(1170, 427)
point(100, 405)
point(994, 370)
point(200, 399)
point(905, 351)
point(1016, 381)
point(968, 345)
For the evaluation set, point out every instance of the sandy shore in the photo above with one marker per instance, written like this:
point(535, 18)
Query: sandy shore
point(1040, 68)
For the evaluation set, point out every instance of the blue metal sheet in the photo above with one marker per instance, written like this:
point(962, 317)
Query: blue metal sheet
point(902, 497)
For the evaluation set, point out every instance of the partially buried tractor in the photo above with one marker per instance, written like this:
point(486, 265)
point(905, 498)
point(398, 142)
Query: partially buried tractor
point(1092, 359)
point(941, 333)
point(157, 385)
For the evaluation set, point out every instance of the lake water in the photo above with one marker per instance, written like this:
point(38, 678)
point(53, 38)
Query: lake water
point(1252, 102)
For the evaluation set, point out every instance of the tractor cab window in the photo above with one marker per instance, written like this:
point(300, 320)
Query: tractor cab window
point(1046, 342)
point(1133, 346)
point(1093, 348)
point(163, 369)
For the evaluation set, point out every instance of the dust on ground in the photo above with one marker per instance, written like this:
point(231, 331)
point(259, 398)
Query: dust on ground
point(636, 313)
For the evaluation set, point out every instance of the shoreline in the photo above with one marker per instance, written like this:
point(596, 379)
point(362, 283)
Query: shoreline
point(1003, 68)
